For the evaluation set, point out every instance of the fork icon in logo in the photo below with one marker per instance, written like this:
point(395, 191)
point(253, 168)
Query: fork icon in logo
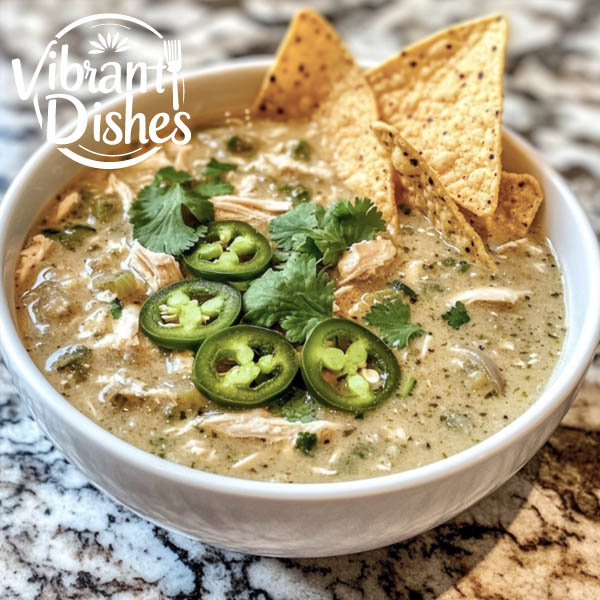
point(172, 52)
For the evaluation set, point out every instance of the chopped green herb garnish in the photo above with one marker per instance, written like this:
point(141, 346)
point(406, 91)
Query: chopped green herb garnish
point(297, 297)
point(239, 145)
point(393, 320)
point(326, 234)
point(301, 150)
point(456, 316)
point(301, 408)
point(157, 214)
point(116, 308)
point(407, 387)
point(463, 266)
point(448, 262)
point(215, 167)
point(296, 193)
point(291, 230)
point(398, 286)
point(305, 442)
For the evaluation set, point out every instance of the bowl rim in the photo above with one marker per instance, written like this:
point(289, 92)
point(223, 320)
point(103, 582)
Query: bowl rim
point(566, 374)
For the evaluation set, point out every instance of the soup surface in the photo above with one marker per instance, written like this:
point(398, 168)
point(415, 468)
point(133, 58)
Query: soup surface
point(83, 279)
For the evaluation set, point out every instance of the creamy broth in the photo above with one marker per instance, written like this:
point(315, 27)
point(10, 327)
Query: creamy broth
point(144, 394)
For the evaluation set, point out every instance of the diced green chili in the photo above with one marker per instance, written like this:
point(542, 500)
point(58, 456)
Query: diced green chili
point(301, 150)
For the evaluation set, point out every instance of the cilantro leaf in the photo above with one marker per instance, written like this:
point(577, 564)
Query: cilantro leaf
point(457, 316)
point(213, 187)
point(169, 175)
point(115, 307)
point(359, 221)
point(330, 241)
point(306, 441)
point(215, 167)
point(300, 408)
point(157, 214)
point(308, 227)
point(291, 229)
point(393, 320)
point(297, 297)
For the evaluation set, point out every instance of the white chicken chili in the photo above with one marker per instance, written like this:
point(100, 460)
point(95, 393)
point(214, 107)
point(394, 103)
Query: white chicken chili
point(287, 332)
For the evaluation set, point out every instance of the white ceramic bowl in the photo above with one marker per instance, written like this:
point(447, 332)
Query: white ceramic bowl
point(299, 519)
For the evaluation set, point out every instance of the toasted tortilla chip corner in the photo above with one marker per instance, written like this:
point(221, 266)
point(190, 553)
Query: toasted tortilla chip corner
point(423, 189)
point(444, 95)
point(310, 61)
point(314, 76)
point(520, 198)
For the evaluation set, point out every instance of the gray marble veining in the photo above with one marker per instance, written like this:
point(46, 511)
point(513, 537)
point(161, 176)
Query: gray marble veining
point(538, 536)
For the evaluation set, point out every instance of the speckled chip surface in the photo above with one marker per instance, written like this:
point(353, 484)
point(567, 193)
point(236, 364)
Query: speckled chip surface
point(520, 198)
point(424, 190)
point(314, 76)
point(444, 95)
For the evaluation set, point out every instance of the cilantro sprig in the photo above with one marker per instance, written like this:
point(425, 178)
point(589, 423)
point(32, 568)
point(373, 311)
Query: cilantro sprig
point(456, 316)
point(325, 234)
point(170, 214)
point(296, 297)
point(393, 320)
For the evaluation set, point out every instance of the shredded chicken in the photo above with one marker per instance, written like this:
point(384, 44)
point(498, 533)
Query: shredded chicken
point(248, 185)
point(340, 303)
point(124, 332)
point(32, 256)
point(119, 187)
point(425, 346)
point(260, 424)
point(103, 331)
point(247, 461)
point(155, 268)
point(510, 245)
point(488, 294)
point(274, 207)
point(119, 388)
point(364, 258)
point(66, 205)
point(180, 362)
point(252, 210)
point(413, 271)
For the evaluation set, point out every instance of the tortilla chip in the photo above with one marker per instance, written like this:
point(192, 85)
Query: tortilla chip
point(520, 198)
point(423, 189)
point(315, 76)
point(444, 94)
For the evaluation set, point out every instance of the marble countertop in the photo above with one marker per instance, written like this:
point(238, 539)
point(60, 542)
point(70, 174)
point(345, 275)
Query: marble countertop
point(537, 537)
